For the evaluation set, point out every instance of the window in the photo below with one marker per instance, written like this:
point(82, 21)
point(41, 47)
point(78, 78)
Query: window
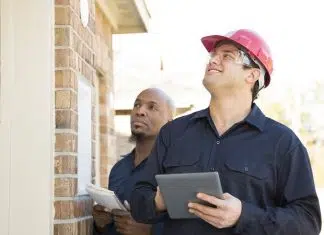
point(84, 134)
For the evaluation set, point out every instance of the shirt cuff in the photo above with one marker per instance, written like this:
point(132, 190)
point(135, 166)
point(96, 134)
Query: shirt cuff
point(250, 215)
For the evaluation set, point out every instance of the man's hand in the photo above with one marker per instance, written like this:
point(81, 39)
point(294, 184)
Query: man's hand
point(126, 225)
point(226, 214)
point(101, 217)
point(159, 201)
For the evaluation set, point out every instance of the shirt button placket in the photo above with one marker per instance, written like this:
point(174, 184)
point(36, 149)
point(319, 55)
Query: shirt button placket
point(217, 142)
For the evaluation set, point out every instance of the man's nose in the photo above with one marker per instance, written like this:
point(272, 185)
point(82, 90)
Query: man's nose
point(215, 59)
point(141, 111)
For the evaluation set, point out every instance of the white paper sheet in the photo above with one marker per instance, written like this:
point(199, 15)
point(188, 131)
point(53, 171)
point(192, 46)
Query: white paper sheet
point(105, 197)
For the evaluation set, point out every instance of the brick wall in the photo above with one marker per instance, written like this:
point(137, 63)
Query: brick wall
point(80, 51)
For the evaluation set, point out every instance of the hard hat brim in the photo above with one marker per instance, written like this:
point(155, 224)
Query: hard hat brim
point(209, 42)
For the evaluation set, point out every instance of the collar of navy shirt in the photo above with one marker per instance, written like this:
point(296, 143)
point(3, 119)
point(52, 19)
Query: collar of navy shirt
point(255, 118)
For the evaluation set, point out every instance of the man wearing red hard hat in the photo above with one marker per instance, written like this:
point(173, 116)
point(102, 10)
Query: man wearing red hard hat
point(264, 168)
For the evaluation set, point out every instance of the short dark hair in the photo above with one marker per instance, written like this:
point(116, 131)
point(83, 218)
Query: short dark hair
point(255, 89)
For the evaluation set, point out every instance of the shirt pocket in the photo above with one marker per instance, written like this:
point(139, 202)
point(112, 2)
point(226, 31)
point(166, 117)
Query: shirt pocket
point(250, 181)
point(247, 171)
point(182, 160)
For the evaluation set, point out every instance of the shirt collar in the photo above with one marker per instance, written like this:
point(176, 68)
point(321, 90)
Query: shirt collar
point(129, 157)
point(201, 114)
point(255, 118)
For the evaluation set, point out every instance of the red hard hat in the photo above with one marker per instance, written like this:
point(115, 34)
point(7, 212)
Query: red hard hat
point(251, 42)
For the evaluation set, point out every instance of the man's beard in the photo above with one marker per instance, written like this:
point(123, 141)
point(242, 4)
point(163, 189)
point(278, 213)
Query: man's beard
point(136, 137)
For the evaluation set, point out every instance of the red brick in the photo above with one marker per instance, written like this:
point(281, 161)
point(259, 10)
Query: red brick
point(66, 229)
point(73, 209)
point(62, 2)
point(104, 160)
point(66, 165)
point(66, 142)
point(83, 227)
point(66, 119)
point(103, 148)
point(103, 119)
point(66, 78)
point(63, 99)
point(104, 129)
point(63, 15)
point(62, 36)
point(64, 58)
point(65, 187)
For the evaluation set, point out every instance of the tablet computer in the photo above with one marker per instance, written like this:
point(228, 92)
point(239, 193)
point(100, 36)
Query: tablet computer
point(180, 189)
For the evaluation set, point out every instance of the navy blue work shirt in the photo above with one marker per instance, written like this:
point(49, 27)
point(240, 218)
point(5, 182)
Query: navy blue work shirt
point(122, 179)
point(260, 161)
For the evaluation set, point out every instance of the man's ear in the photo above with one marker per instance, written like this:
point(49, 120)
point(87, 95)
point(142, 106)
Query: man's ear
point(253, 76)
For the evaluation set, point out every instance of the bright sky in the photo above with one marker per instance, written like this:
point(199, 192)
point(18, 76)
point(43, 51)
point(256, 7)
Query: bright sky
point(293, 29)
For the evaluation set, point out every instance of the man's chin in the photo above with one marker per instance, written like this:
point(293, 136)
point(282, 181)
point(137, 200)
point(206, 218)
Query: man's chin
point(207, 84)
point(138, 132)
point(207, 81)
point(136, 136)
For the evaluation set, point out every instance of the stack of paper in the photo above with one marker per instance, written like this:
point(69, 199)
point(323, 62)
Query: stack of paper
point(105, 197)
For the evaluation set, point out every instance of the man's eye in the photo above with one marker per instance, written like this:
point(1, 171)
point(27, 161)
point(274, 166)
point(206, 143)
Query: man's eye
point(228, 56)
point(136, 105)
point(153, 107)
